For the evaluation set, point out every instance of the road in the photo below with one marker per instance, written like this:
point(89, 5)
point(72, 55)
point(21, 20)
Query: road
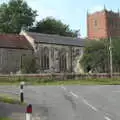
point(71, 102)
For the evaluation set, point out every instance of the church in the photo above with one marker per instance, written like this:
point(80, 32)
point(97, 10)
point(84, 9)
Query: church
point(53, 53)
point(103, 24)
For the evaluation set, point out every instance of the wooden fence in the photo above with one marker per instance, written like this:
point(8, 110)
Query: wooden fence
point(63, 76)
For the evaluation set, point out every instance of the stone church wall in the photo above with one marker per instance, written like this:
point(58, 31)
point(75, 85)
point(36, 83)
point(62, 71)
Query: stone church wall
point(11, 59)
point(70, 61)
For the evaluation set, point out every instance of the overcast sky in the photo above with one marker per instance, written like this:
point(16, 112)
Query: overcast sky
point(72, 12)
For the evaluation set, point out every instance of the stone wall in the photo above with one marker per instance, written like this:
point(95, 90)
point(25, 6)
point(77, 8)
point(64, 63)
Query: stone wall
point(77, 55)
point(11, 59)
point(70, 61)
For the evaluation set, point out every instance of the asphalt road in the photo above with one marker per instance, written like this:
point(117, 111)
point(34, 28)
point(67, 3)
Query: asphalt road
point(71, 102)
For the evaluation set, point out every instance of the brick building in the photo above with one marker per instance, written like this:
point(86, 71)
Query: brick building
point(103, 24)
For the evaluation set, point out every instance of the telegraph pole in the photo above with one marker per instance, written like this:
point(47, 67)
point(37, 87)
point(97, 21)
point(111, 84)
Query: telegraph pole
point(111, 63)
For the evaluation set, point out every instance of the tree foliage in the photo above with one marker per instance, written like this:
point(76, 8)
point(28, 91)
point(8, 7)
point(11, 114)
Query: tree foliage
point(96, 55)
point(116, 51)
point(52, 26)
point(15, 15)
point(29, 65)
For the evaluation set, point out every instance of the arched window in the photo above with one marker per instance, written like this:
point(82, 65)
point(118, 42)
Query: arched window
point(62, 61)
point(45, 58)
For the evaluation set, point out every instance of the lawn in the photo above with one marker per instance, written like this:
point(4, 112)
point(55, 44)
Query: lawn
point(11, 100)
point(81, 82)
point(46, 81)
point(5, 119)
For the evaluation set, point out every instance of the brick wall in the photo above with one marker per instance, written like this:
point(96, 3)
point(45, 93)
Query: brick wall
point(113, 24)
point(102, 24)
point(97, 25)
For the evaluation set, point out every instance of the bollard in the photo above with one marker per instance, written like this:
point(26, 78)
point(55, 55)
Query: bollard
point(21, 92)
point(29, 112)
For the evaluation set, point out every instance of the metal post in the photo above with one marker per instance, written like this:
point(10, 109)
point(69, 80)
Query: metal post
point(21, 92)
point(29, 112)
point(111, 65)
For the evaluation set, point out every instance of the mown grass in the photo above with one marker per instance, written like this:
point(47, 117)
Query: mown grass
point(10, 100)
point(5, 119)
point(47, 81)
point(81, 82)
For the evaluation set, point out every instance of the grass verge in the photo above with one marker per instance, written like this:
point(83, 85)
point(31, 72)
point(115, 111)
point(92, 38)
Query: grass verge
point(41, 81)
point(5, 119)
point(81, 82)
point(10, 100)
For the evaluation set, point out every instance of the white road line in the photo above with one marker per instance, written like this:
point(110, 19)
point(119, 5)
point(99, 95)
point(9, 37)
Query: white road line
point(74, 94)
point(63, 87)
point(107, 118)
point(115, 91)
point(91, 106)
point(85, 101)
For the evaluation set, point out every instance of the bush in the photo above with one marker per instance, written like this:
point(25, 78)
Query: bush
point(29, 65)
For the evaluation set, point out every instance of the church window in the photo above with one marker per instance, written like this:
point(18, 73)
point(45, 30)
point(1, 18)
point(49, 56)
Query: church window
point(77, 51)
point(45, 58)
point(62, 61)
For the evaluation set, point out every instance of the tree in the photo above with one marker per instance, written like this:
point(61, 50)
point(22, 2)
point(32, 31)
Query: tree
point(29, 65)
point(116, 51)
point(15, 15)
point(95, 56)
point(52, 26)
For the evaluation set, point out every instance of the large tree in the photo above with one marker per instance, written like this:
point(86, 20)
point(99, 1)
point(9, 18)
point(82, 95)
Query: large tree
point(50, 25)
point(96, 55)
point(15, 15)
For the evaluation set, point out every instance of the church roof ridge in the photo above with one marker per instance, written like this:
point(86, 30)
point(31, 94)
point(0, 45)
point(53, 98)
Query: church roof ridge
point(56, 39)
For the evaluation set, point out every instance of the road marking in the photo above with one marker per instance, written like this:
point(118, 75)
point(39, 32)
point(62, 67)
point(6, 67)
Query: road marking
point(107, 118)
point(115, 91)
point(85, 101)
point(74, 94)
point(63, 87)
point(91, 106)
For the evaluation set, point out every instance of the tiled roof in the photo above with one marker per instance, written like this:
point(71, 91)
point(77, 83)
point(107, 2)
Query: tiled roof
point(56, 39)
point(14, 41)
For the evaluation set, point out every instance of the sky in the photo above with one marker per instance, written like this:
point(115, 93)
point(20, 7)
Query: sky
point(71, 12)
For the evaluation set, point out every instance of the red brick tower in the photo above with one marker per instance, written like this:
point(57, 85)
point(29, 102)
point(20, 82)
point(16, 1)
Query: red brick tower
point(103, 24)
